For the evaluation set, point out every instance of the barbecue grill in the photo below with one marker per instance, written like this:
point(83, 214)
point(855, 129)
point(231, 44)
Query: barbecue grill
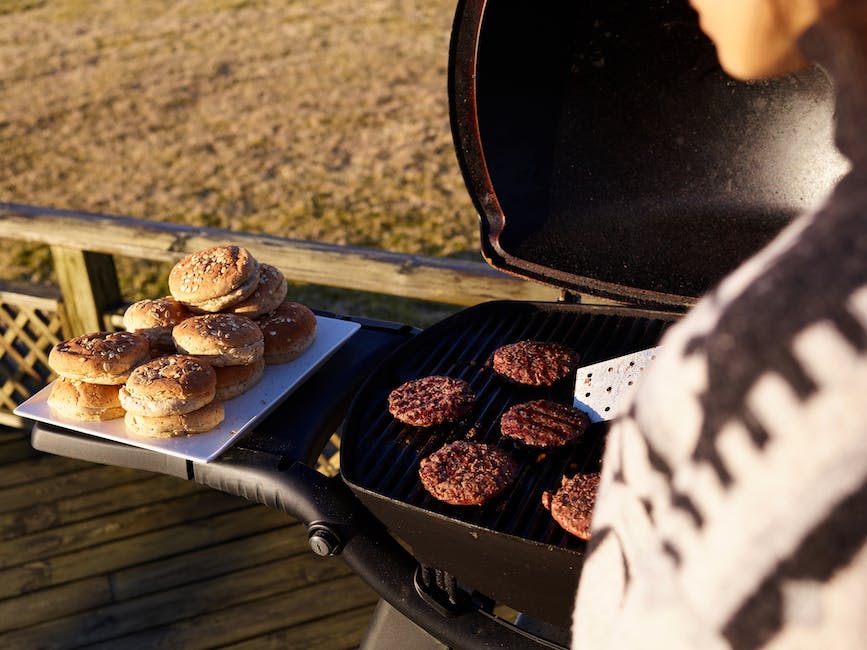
point(607, 154)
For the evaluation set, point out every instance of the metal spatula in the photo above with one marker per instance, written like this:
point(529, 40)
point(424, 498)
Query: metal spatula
point(601, 388)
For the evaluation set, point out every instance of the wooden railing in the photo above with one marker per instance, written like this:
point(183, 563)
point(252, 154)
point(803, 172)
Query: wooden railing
point(84, 246)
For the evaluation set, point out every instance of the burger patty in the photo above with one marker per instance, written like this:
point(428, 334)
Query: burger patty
point(535, 363)
point(465, 473)
point(544, 423)
point(571, 505)
point(431, 400)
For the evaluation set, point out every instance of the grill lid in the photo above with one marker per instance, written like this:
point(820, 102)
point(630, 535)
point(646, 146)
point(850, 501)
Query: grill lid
point(608, 153)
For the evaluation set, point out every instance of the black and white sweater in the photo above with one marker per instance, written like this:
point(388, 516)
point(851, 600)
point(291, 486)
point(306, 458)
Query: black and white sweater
point(733, 506)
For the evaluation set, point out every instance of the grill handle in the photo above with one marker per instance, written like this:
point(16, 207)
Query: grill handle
point(326, 504)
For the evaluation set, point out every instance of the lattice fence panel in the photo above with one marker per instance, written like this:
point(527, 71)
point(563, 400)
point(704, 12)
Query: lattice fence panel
point(29, 326)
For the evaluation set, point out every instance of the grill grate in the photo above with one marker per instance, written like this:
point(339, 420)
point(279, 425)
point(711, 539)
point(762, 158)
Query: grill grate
point(382, 455)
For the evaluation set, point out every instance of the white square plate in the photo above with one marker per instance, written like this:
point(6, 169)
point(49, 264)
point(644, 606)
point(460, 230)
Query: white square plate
point(242, 412)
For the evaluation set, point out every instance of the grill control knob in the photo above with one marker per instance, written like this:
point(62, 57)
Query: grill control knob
point(323, 541)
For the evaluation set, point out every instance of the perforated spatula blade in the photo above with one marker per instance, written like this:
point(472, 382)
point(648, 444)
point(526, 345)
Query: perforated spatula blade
point(601, 389)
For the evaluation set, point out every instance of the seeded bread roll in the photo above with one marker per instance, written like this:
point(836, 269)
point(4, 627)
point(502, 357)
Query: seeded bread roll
point(270, 292)
point(79, 400)
point(214, 278)
point(169, 385)
point(220, 339)
point(287, 331)
point(168, 426)
point(99, 358)
point(236, 380)
point(155, 319)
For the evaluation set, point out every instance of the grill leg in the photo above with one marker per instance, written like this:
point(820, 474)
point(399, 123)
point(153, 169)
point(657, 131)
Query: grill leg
point(391, 630)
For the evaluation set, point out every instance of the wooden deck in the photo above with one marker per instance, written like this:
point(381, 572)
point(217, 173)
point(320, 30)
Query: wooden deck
point(105, 557)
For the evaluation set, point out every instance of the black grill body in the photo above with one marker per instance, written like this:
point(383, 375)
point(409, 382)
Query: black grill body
point(509, 549)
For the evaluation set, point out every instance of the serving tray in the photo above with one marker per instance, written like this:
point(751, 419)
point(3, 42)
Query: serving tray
point(242, 412)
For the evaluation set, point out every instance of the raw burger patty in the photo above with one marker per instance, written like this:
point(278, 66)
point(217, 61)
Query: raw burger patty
point(536, 363)
point(543, 423)
point(571, 506)
point(431, 400)
point(467, 473)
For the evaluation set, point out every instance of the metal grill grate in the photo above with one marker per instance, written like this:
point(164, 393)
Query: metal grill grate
point(382, 455)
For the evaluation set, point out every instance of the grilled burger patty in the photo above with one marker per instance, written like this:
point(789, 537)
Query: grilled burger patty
point(571, 505)
point(544, 423)
point(465, 473)
point(431, 400)
point(535, 363)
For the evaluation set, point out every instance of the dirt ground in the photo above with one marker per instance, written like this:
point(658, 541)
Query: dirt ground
point(323, 120)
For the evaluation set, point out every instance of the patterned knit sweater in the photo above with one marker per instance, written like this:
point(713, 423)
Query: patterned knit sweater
point(733, 506)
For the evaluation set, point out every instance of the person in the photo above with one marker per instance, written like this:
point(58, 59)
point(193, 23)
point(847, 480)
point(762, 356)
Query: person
point(732, 511)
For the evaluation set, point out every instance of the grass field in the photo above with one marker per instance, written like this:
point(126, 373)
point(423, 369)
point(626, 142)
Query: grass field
point(323, 120)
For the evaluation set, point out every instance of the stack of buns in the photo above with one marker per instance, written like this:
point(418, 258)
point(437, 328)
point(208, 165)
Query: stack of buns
point(182, 355)
point(232, 344)
point(92, 369)
point(170, 395)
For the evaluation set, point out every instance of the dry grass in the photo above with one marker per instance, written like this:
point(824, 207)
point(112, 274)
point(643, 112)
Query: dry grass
point(322, 120)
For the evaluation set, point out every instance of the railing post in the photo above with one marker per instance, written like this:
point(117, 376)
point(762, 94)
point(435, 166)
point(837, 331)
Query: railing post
point(88, 282)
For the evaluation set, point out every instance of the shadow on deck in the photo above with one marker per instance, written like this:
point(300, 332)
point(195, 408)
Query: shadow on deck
point(106, 557)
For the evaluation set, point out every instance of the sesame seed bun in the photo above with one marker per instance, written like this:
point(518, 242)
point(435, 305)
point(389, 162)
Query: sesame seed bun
point(169, 385)
point(155, 320)
point(220, 339)
point(236, 380)
point(168, 426)
point(99, 358)
point(288, 331)
point(214, 278)
point(78, 400)
point(268, 295)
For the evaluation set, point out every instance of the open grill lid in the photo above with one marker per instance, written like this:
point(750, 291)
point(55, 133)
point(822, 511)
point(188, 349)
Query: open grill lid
point(608, 153)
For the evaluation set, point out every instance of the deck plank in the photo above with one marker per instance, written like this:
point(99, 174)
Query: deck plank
point(314, 602)
point(115, 527)
point(38, 466)
point(12, 451)
point(139, 620)
point(111, 557)
point(89, 479)
point(139, 492)
point(340, 631)
point(130, 582)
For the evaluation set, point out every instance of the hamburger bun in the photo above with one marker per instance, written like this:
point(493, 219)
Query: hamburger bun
point(168, 426)
point(220, 339)
point(236, 380)
point(78, 400)
point(169, 385)
point(155, 320)
point(288, 331)
point(269, 293)
point(214, 278)
point(99, 358)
